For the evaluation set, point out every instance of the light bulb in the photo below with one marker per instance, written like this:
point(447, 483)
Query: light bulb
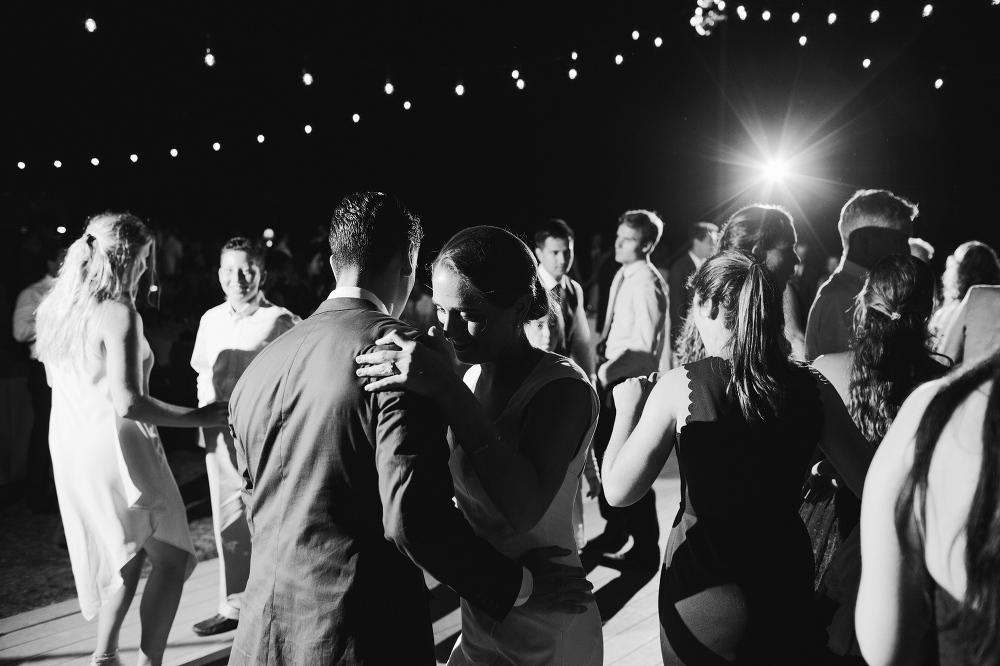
point(95, 161)
point(406, 105)
point(874, 16)
point(520, 84)
point(388, 88)
point(209, 58)
point(618, 59)
point(60, 229)
point(866, 63)
point(658, 42)
point(766, 15)
point(90, 24)
point(927, 10)
point(356, 117)
point(307, 78)
point(134, 158)
point(216, 146)
point(573, 55)
point(795, 17)
point(802, 40)
point(173, 152)
point(831, 19)
point(459, 90)
point(939, 83)
point(260, 138)
point(742, 12)
point(308, 129)
point(515, 74)
point(572, 73)
point(57, 164)
point(635, 34)
point(20, 165)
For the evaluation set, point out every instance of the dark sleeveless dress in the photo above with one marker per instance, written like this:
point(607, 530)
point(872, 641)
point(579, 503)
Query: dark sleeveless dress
point(737, 581)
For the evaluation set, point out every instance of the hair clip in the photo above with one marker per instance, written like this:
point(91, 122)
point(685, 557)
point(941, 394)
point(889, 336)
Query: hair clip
point(894, 316)
point(90, 240)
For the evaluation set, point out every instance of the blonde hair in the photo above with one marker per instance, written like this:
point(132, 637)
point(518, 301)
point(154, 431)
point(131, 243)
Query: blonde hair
point(100, 266)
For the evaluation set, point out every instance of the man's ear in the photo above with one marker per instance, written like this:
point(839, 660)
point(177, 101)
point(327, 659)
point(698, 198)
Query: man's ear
point(538, 255)
point(263, 277)
point(409, 262)
point(647, 248)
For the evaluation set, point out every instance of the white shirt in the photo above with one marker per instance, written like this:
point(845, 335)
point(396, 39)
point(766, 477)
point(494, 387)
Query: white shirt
point(578, 344)
point(228, 341)
point(24, 311)
point(698, 261)
point(636, 311)
point(358, 292)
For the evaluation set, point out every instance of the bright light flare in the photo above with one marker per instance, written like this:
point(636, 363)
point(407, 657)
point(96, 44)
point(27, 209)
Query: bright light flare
point(268, 233)
point(388, 88)
point(776, 170)
point(573, 55)
point(57, 164)
point(515, 75)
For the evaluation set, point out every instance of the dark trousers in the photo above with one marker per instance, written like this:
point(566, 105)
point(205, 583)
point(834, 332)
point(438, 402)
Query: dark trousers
point(639, 519)
point(39, 482)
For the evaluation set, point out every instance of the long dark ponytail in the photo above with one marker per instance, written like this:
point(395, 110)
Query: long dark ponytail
point(752, 309)
point(978, 619)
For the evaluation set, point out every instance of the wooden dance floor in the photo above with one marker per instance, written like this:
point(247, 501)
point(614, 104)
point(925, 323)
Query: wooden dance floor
point(58, 634)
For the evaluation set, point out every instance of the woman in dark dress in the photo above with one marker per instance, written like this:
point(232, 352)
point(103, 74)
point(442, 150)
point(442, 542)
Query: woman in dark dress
point(736, 585)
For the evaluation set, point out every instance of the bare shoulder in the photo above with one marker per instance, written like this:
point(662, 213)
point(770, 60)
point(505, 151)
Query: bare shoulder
point(117, 319)
point(836, 369)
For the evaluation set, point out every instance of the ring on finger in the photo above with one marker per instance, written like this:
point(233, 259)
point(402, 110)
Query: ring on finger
point(393, 370)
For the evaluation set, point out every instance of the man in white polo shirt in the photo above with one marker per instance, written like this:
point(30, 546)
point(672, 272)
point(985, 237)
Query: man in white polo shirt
point(229, 337)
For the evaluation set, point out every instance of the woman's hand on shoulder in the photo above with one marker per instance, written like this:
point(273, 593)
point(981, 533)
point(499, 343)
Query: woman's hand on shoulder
point(213, 415)
point(401, 364)
point(631, 394)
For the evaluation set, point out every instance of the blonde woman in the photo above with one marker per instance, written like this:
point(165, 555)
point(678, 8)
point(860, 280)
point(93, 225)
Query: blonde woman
point(119, 501)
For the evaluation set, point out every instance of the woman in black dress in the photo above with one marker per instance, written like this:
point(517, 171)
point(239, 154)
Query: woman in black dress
point(736, 585)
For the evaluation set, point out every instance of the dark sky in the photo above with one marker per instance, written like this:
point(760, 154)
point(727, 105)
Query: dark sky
point(666, 130)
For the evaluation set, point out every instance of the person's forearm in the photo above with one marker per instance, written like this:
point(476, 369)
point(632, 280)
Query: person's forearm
point(625, 422)
point(630, 364)
point(509, 478)
point(147, 409)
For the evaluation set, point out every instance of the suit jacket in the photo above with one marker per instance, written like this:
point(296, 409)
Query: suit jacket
point(680, 296)
point(345, 491)
point(830, 327)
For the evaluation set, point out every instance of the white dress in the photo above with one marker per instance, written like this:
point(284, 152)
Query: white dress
point(525, 637)
point(115, 487)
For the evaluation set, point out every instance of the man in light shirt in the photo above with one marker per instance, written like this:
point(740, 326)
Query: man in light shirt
point(704, 241)
point(632, 344)
point(229, 337)
point(40, 488)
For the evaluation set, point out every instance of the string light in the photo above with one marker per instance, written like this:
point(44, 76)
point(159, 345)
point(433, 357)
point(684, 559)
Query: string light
point(308, 129)
point(95, 161)
point(60, 229)
point(795, 17)
point(209, 58)
point(57, 164)
point(307, 78)
point(216, 146)
point(268, 234)
point(388, 87)
point(260, 138)
point(927, 10)
point(515, 74)
point(573, 55)
point(866, 62)
point(90, 24)
point(658, 42)
point(939, 83)
point(153, 288)
point(173, 152)
point(20, 165)
point(741, 11)
point(722, 5)
point(635, 35)
point(520, 84)
point(572, 74)
point(406, 105)
point(874, 16)
point(459, 90)
point(619, 59)
point(802, 40)
point(766, 15)
point(134, 158)
point(356, 117)
point(831, 19)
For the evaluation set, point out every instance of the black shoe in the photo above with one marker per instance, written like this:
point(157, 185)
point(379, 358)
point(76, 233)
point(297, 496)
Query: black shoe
point(215, 625)
point(636, 558)
point(607, 543)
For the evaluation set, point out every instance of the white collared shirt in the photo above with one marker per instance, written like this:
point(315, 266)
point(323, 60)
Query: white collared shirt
point(24, 311)
point(228, 341)
point(698, 261)
point(636, 312)
point(358, 292)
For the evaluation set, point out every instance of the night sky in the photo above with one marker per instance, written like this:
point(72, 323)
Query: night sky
point(672, 129)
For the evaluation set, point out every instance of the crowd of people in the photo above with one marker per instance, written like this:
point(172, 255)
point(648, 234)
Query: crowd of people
point(837, 436)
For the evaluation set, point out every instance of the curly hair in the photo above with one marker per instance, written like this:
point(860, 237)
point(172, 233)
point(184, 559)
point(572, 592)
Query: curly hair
point(971, 264)
point(891, 353)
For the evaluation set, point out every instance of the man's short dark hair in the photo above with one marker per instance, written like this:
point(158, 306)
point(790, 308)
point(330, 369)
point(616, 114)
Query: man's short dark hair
point(255, 253)
point(647, 223)
point(368, 228)
point(700, 230)
point(554, 228)
point(52, 248)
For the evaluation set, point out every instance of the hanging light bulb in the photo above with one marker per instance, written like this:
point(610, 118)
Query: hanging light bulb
point(173, 152)
point(356, 118)
point(573, 55)
point(60, 229)
point(927, 10)
point(307, 78)
point(572, 74)
point(20, 165)
point(459, 90)
point(134, 158)
point(658, 42)
point(95, 161)
point(406, 105)
point(216, 146)
point(635, 35)
point(57, 164)
point(619, 59)
point(766, 15)
point(795, 17)
point(741, 11)
point(874, 16)
point(866, 63)
point(388, 87)
point(831, 19)
point(209, 58)
point(90, 24)
point(520, 84)
point(308, 129)
point(802, 40)
point(260, 138)
point(939, 83)
point(515, 74)
point(721, 4)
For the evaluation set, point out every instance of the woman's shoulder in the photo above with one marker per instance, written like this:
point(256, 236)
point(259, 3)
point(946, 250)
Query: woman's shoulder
point(117, 318)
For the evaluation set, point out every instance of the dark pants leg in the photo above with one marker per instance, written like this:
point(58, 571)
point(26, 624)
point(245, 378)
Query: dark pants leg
point(639, 519)
point(39, 482)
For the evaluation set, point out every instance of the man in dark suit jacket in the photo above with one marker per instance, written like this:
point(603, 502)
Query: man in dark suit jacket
point(703, 237)
point(345, 490)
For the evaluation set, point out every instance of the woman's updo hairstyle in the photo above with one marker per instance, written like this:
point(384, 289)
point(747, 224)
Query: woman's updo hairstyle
point(741, 290)
point(760, 226)
point(496, 266)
